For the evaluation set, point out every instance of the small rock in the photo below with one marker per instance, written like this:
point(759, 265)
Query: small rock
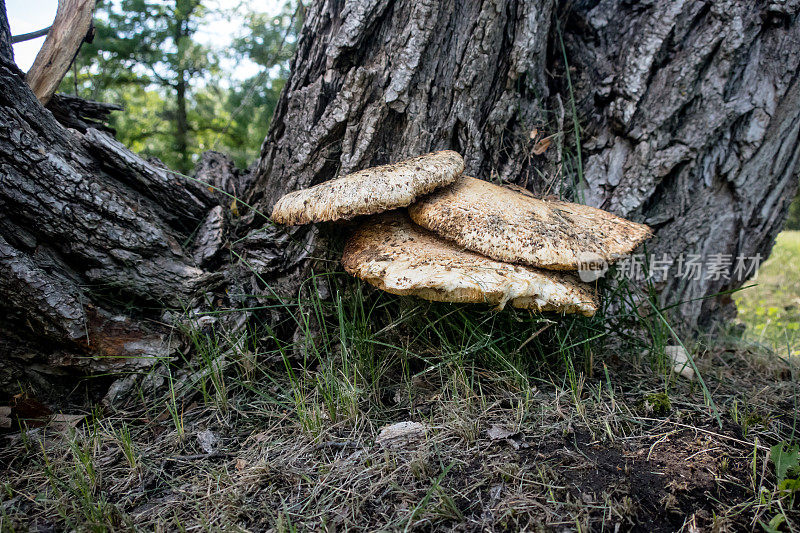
point(207, 440)
point(680, 361)
point(401, 434)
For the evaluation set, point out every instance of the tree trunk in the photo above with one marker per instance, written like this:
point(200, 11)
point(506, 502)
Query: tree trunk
point(689, 117)
point(376, 81)
point(181, 122)
point(6, 50)
point(689, 113)
point(692, 111)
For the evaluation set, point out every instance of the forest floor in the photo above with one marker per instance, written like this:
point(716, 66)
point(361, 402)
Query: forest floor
point(515, 422)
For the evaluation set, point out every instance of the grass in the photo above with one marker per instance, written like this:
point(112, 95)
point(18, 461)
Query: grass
point(600, 433)
point(597, 433)
point(770, 311)
point(532, 422)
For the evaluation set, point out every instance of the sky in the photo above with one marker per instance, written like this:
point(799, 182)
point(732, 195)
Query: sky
point(30, 15)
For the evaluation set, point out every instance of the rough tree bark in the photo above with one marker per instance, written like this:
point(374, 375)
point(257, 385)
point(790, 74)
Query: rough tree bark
point(6, 50)
point(693, 115)
point(690, 114)
point(82, 214)
point(89, 231)
point(690, 110)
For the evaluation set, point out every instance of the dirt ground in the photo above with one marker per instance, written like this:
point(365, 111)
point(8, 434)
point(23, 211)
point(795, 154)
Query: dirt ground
point(616, 446)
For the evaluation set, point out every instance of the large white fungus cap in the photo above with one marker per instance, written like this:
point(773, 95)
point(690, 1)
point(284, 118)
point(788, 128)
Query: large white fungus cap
point(508, 225)
point(369, 191)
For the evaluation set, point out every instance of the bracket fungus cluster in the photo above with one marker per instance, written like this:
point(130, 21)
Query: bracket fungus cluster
point(463, 239)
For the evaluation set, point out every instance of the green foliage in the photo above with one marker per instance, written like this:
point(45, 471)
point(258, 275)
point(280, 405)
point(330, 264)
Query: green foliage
point(179, 100)
point(269, 42)
point(770, 310)
point(787, 464)
point(786, 459)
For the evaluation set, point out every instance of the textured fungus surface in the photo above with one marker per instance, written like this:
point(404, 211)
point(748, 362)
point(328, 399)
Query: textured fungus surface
point(510, 226)
point(395, 255)
point(369, 191)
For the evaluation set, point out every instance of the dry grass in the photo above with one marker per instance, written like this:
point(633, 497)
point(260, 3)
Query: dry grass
point(530, 425)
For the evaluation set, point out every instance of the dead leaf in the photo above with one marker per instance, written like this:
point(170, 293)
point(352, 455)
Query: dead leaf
point(533, 134)
point(497, 432)
point(62, 422)
point(241, 464)
point(235, 208)
point(29, 410)
point(540, 147)
point(514, 438)
point(207, 440)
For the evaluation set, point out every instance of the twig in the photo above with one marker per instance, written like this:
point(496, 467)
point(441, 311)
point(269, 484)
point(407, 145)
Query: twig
point(707, 432)
point(22, 37)
point(198, 456)
point(337, 444)
point(535, 334)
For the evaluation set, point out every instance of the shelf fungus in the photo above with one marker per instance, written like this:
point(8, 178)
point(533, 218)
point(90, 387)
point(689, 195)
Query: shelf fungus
point(370, 191)
point(392, 253)
point(466, 240)
point(508, 225)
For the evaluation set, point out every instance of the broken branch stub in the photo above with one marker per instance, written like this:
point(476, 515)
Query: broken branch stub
point(70, 27)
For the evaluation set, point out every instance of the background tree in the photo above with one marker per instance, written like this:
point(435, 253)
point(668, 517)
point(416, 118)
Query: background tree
point(178, 100)
point(269, 42)
point(793, 219)
point(144, 54)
